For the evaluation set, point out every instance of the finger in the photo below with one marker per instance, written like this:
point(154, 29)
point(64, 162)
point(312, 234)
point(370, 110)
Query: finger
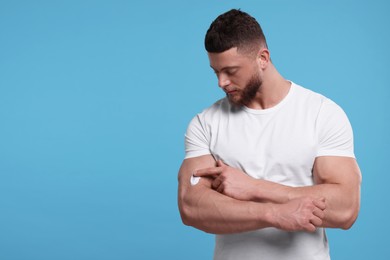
point(220, 188)
point(316, 221)
point(216, 183)
point(310, 227)
point(208, 172)
point(220, 163)
point(319, 213)
point(320, 203)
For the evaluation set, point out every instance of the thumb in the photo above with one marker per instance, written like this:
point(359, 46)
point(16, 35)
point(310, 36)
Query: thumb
point(220, 163)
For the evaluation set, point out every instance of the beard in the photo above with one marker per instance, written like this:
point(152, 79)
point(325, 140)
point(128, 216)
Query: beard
point(248, 93)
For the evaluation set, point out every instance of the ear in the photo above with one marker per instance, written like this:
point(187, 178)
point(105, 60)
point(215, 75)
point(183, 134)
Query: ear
point(263, 57)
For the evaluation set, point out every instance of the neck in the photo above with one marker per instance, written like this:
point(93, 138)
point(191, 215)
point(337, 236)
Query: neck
point(274, 89)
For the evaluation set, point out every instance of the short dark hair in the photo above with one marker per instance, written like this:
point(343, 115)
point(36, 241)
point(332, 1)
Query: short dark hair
point(234, 29)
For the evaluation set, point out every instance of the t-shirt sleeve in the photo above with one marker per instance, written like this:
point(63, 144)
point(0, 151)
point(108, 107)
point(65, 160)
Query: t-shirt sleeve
point(335, 136)
point(196, 139)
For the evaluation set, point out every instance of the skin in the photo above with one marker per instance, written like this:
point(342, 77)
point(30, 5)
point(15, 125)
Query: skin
point(211, 211)
point(227, 200)
point(337, 180)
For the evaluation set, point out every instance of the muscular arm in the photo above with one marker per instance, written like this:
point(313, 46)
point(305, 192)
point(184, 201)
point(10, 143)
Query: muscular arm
point(337, 179)
point(206, 209)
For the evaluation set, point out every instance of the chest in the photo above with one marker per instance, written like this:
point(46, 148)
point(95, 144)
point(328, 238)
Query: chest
point(274, 147)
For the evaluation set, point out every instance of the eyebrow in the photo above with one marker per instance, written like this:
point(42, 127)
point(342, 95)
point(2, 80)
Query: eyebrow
point(226, 68)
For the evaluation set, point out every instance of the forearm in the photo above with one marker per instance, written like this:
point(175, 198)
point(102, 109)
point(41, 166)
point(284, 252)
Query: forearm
point(209, 210)
point(212, 212)
point(342, 202)
point(337, 179)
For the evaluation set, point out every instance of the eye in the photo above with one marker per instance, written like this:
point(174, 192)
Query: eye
point(231, 72)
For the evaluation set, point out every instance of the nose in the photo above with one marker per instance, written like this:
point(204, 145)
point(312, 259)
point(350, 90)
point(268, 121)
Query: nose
point(223, 81)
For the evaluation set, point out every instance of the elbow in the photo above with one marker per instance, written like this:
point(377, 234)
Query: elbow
point(185, 216)
point(349, 218)
point(190, 216)
point(185, 210)
point(347, 224)
point(351, 213)
point(191, 212)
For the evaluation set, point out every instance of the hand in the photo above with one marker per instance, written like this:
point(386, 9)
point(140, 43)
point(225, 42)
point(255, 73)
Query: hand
point(303, 214)
point(230, 181)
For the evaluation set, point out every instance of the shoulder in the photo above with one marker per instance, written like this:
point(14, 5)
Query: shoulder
point(198, 135)
point(218, 109)
point(307, 95)
point(203, 120)
point(314, 101)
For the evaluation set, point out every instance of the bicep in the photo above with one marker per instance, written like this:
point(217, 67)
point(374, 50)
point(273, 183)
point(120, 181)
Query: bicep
point(336, 170)
point(188, 195)
point(340, 180)
point(190, 165)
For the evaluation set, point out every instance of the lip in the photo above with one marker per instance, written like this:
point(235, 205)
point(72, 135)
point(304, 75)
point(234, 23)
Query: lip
point(231, 92)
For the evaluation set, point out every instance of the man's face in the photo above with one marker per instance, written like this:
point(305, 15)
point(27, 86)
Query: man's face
point(238, 75)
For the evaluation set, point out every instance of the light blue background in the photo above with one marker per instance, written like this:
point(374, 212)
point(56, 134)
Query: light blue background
point(95, 97)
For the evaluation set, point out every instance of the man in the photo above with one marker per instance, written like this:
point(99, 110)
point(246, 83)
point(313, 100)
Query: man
point(272, 164)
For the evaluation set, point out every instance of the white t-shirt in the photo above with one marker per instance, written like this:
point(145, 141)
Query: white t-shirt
point(278, 144)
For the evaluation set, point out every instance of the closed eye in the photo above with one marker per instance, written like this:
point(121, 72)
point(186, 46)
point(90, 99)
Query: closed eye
point(231, 72)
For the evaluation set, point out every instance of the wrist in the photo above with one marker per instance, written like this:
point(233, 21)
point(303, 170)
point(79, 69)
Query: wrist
point(284, 192)
point(256, 191)
point(267, 191)
point(271, 215)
